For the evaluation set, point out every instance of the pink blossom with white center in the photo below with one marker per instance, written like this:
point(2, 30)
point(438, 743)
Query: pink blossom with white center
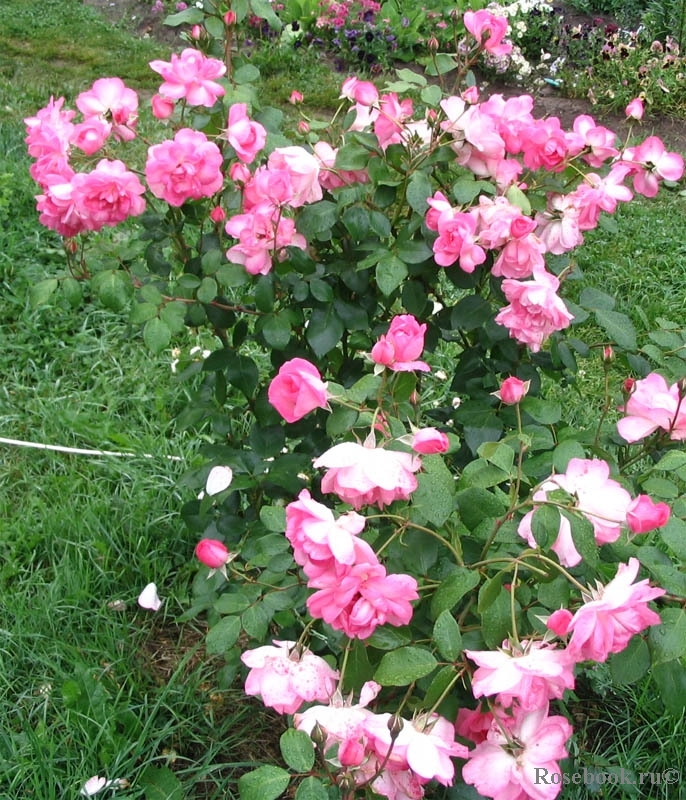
point(113, 102)
point(652, 163)
point(400, 347)
point(530, 674)
point(600, 141)
point(107, 195)
point(357, 598)
point(246, 136)
point(456, 241)
point(506, 766)
point(426, 745)
point(653, 405)
point(393, 114)
point(303, 168)
point(612, 614)
point(185, 168)
point(602, 500)
point(285, 676)
point(263, 234)
point(317, 537)
point(489, 30)
point(345, 724)
point(191, 75)
point(558, 226)
point(534, 311)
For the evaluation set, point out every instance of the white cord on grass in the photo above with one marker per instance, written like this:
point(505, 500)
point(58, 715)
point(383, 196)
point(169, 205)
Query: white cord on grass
point(79, 450)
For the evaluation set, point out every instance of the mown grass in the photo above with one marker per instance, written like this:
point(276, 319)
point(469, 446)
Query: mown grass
point(89, 683)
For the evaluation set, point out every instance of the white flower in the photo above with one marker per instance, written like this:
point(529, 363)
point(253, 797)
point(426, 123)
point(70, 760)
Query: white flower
point(219, 479)
point(150, 600)
point(97, 784)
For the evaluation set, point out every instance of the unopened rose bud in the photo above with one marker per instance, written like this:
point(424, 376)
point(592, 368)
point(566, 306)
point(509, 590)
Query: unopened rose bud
point(395, 725)
point(212, 553)
point(512, 391)
point(628, 386)
point(318, 735)
point(196, 32)
point(303, 127)
point(71, 246)
point(681, 386)
point(471, 95)
point(295, 98)
point(217, 214)
point(346, 783)
point(432, 44)
point(230, 18)
point(608, 355)
point(635, 109)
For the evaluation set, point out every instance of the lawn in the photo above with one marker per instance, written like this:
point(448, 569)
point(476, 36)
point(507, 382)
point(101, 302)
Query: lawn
point(92, 684)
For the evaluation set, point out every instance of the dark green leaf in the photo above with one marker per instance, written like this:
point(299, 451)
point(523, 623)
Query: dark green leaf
point(297, 750)
point(453, 589)
point(263, 783)
point(277, 331)
point(618, 327)
point(403, 666)
point(160, 783)
point(434, 497)
point(222, 635)
point(668, 640)
point(418, 190)
point(390, 273)
point(447, 636)
point(156, 335)
point(324, 330)
point(311, 789)
point(545, 525)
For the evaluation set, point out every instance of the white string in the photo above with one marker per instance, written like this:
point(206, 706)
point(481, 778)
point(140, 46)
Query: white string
point(79, 450)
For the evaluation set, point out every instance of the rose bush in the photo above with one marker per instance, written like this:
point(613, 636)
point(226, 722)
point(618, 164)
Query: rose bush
point(397, 522)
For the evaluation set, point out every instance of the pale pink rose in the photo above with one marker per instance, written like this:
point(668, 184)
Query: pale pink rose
point(185, 168)
point(268, 187)
point(489, 30)
point(426, 746)
point(530, 674)
point(602, 500)
point(598, 194)
point(512, 391)
point(303, 168)
point(509, 764)
point(212, 553)
point(89, 136)
point(635, 109)
point(112, 101)
point(286, 676)
point(430, 440)
point(297, 389)
point(652, 163)
point(243, 134)
point(262, 234)
point(107, 195)
point(317, 538)
point(652, 405)
point(362, 92)
point(191, 75)
point(356, 598)
point(438, 206)
point(162, 107)
point(149, 599)
point(612, 615)
point(547, 146)
point(535, 310)
point(473, 724)
point(558, 226)
point(402, 345)
point(57, 206)
point(48, 139)
point(390, 122)
point(644, 515)
point(368, 475)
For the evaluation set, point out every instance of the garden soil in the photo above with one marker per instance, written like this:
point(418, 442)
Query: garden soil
point(138, 17)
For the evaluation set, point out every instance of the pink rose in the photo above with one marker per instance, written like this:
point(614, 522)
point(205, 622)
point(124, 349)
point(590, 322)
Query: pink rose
point(286, 677)
point(400, 348)
point(297, 389)
point(653, 404)
point(162, 107)
point(653, 163)
point(185, 168)
point(430, 440)
point(303, 168)
point(615, 612)
point(512, 391)
point(635, 109)
point(644, 515)
point(107, 195)
point(245, 136)
point(489, 30)
point(91, 134)
point(368, 475)
point(112, 101)
point(191, 75)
